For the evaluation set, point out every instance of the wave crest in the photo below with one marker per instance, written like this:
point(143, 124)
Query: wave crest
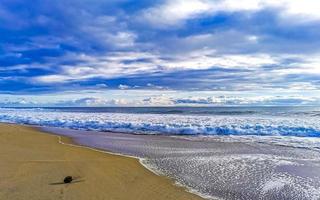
point(168, 124)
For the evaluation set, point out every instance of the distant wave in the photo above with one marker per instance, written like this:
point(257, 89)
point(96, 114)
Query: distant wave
point(208, 111)
point(167, 124)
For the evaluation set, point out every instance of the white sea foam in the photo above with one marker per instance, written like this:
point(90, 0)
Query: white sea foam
point(307, 128)
point(275, 184)
point(223, 169)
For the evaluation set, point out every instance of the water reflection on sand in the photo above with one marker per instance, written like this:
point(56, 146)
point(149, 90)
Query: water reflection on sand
point(224, 169)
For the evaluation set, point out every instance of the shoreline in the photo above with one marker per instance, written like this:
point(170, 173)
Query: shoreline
point(153, 170)
point(162, 184)
point(217, 168)
point(75, 144)
point(212, 168)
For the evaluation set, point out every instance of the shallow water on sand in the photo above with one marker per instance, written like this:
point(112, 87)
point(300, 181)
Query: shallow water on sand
point(220, 167)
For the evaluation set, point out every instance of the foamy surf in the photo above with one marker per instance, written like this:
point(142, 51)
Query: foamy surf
point(218, 169)
point(169, 124)
point(246, 155)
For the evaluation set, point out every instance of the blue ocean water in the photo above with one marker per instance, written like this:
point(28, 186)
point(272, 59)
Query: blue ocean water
point(224, 152)
point(261, 121)
point(240, 110)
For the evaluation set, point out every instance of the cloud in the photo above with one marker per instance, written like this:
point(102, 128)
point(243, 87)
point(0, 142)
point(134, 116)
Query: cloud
point(174, 13)
point(19, 102)
point(177, 45)
point(158, 101)
point(249, 101)
point(167, 100)
point(92, 102)
point(89, 101)
point(135, 63)
point(124, 87)
point(197, 70)
point(156, 87)
point(101, 102)
point(101, 85)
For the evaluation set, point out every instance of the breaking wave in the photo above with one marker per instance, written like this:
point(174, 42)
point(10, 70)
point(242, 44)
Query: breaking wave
point(172, 124)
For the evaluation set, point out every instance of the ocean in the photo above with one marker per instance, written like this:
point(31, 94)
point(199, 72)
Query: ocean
point(216, 152)
point(200, 121)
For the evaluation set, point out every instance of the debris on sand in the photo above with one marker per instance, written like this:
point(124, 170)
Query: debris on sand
point(68, 179)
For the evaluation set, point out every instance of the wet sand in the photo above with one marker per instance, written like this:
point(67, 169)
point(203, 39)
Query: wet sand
point(33, 165)
point(220, 167)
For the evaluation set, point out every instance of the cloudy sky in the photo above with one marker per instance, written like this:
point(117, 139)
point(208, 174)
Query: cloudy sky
point(161, 52)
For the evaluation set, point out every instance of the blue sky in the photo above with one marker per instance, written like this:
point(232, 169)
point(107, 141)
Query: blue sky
point(154, 53)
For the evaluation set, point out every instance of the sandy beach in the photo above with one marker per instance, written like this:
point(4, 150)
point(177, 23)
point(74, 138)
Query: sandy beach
point(33, 165)
point(219, 167)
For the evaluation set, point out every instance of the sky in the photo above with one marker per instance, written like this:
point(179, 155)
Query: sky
point(159, 53)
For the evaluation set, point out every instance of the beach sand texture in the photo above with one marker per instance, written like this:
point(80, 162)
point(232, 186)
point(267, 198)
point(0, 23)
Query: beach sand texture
point(33, 165)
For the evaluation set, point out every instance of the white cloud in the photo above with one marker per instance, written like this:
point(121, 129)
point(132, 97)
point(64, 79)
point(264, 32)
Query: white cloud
point(117, 65)
point(304, 9)
point(222, 100)
point(52, 78)
point(93, 102)
point(160, 100)
point(90, 102)
point(308, 64)
point(121, 39)
point(123, 87)
point(176, 12)
point(173, 12)
point(166, 98)
point(152, 86)
point(252, 38)
point(206, 58)
point(101, 85)
point(257, 100)
point(107, 30)
point(20, 102)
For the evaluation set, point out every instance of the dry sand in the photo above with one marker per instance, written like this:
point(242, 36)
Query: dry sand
point(33, 165)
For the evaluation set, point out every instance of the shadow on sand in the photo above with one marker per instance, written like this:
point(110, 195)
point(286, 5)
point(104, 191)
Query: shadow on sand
point(63, 183)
